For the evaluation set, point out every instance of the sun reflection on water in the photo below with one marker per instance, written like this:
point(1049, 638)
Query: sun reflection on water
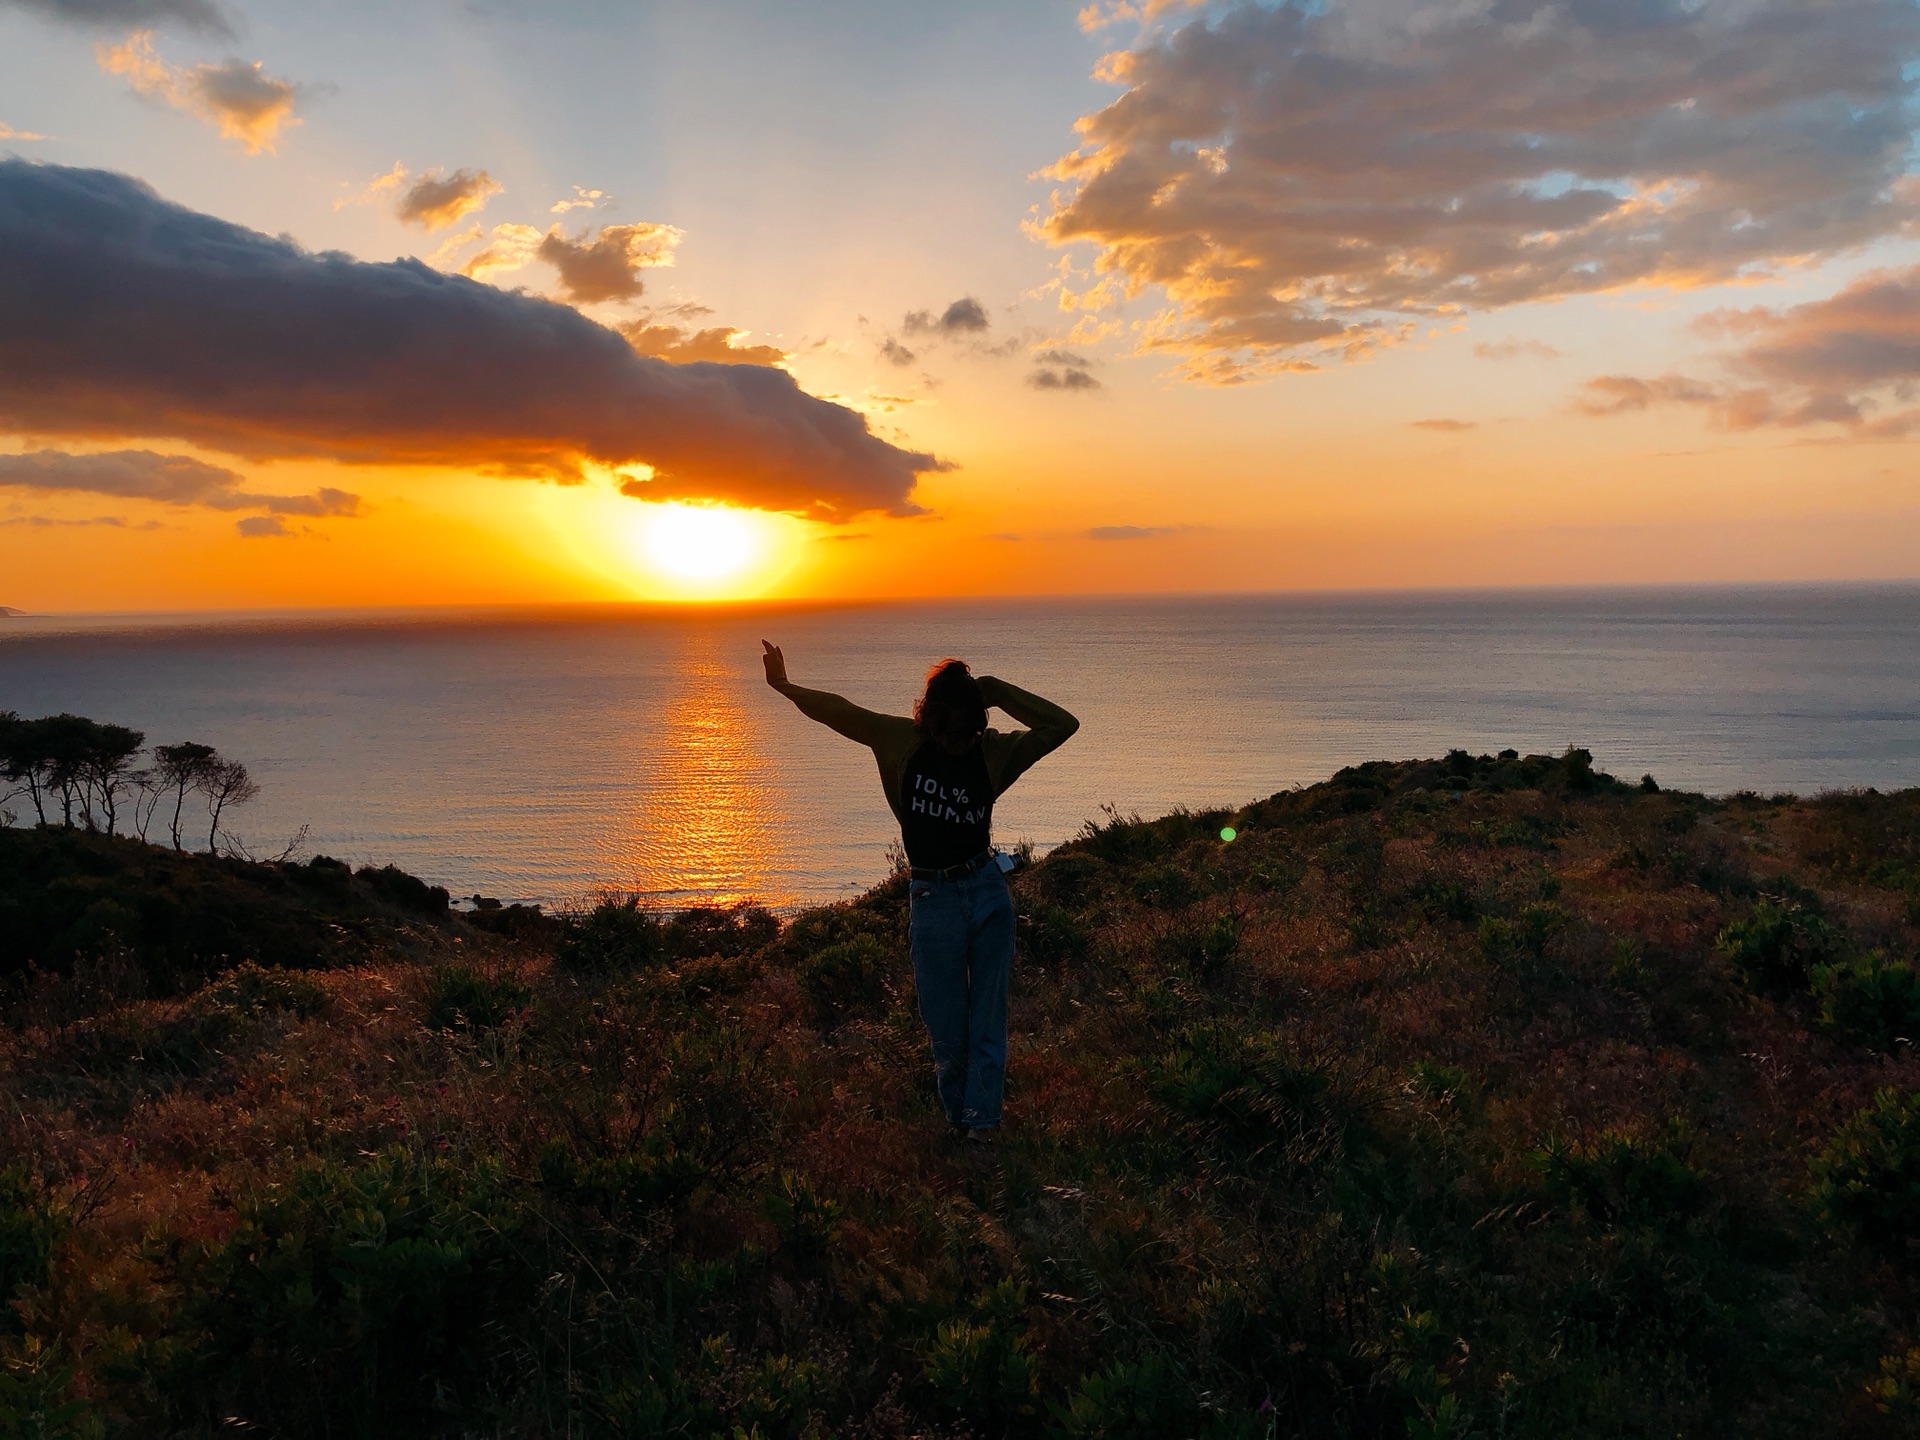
point(705, 827)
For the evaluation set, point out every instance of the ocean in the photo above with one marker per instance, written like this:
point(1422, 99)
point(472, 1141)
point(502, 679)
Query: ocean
point(545, 753)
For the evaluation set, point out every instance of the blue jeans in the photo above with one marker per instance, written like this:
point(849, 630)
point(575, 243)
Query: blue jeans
point(962, 937)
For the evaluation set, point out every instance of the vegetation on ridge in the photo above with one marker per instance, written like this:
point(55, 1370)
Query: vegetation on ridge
point(1484, 1096)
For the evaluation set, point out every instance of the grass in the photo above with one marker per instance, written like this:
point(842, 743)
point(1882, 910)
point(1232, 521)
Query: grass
point(1472, 1097)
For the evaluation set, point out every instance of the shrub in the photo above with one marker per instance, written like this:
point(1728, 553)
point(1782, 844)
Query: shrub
point(711, 930)
point(1052, 936)
point(1870, 998)
point(1448, 900)
point(1138, 1400)
point(1200, 952)
point(1619, 1180)
point(361, 1292)
point(984, 1368)
point(1166, 887)
point(615, 935)
point(1245, 1100)
point(250, 988)
point(459, 994)
point(1519, 943)
point(28, 1229)
point(404, 891)
point(1867, 1177)
point(1777, 944)
point(847, 978)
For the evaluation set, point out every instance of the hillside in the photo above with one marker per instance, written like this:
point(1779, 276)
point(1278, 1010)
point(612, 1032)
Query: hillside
point(1471, 1097)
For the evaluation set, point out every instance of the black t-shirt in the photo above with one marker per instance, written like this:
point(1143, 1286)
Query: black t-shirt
point(946, 806)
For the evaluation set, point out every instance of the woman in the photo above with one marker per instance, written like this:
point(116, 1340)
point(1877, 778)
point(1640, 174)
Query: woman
point(941, 771)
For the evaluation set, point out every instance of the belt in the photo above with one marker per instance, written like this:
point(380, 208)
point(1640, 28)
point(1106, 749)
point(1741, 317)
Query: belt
point(954, 872)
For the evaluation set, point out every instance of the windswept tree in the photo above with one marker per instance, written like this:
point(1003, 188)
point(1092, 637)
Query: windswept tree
point(180, 770)
point(224, 783)
point(106, 771)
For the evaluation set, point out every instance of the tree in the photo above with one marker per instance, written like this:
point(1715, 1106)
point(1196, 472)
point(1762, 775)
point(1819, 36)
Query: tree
point(14, 767)
point(106, 770)
point(179, 769)
point(64, 743)
point(224, 783)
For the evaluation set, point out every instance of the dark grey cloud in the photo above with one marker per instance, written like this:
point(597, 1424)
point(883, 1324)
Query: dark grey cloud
point(1301, 180)
point(262, 527)
point(965, 316)
point(1128, 532)
point(198, 15)
point(606, 265)
point(1850, 361)
point(169, 479)
point(894, 353)
point(1443, 425)
point(123, 315)
point(1062, 358)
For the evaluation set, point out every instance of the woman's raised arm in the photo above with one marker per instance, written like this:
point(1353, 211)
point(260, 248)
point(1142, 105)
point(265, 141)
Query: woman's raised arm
point(1048, 728)
point(836, 712)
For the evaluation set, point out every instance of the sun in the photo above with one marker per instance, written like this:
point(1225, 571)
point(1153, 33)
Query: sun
point(698, 542)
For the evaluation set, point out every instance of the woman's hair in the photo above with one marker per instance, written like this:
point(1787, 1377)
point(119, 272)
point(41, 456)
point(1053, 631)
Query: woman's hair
point(952, 700)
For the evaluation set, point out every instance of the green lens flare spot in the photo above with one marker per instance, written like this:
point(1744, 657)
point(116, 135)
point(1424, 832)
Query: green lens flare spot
point(1228, 832)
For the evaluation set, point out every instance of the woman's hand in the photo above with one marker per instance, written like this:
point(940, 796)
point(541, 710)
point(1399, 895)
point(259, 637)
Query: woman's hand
point(776, 664)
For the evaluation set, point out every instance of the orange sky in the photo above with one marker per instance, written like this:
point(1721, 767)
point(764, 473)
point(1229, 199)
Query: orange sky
point(1129, 384)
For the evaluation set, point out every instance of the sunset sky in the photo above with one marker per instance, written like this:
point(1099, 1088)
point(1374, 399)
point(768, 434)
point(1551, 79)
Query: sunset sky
point(950, 298)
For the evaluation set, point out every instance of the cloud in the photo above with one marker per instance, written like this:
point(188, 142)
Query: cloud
point(435, 201)
point(593, 266)
point(965, 316)
point(169, 479)
point(7, 132)
point(262, 527)
point(1851, 360)
point(607, 266)
point(1442, 425)
point(48, 522)
point(1299, 179)
point(583, 199)
point(120, 14)
point(683, 347)
point(1062, 357)
point(894, 353)
point(1128, 532)
point(240, 99)
point(1069, 379)
point(123, 315)
point(1515, 350)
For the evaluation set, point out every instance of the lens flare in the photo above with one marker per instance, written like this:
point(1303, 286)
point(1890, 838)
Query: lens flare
point(698, 542)
point(1227, 832)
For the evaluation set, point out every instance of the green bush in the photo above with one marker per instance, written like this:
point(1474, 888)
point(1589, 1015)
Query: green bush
point(1867, 1177)
point(616, 935)
point(461, 994)
point(1776, 944)
point(1448, 900)
point(250, 989)
point(1870, 998)
point(1052, 936)
point(1521, 943)
point(844, 979)
point(712, 930)
point(365, 1293)
point(1139, 1400)
point(1619, 1180)
point(29, 1228)
point(984, 1368)
point(1166, 887)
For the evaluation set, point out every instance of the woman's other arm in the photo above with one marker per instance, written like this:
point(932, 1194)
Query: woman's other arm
point(834, 711)
point(1048, 728)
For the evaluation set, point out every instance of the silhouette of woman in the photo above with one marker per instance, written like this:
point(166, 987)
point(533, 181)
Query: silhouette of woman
point(941, 771)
